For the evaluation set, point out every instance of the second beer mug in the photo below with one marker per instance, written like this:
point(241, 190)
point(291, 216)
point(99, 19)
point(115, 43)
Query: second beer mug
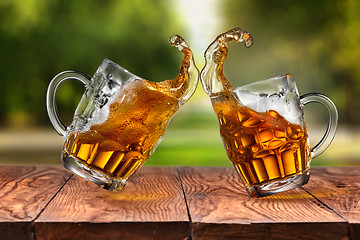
point(120, 118)
point(262, 124)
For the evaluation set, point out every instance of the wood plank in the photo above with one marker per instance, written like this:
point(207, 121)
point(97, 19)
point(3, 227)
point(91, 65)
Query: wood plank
point(339, 189)
point(151, 206)
point(24, 192)
point(220, 208)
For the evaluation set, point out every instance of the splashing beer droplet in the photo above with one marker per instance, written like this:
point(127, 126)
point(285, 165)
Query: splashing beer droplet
point(179, 42)
point(238, 35)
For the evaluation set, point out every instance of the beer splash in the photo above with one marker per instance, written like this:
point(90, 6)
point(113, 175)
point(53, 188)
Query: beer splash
point(212, 75)
point(184, 85)
point(263, 146)
point(137, 117)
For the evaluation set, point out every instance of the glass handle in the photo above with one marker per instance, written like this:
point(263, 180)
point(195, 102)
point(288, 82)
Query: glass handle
point(51, 96)
point(325, 141)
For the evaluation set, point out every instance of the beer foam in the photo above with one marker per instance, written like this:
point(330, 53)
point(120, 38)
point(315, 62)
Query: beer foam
point(285, 103)
point(108, 95)
point(100, 114)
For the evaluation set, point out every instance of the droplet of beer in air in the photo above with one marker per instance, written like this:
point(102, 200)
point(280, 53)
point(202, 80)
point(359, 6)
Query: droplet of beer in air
point(249, 41)
point(178, 41)
point(238, 35)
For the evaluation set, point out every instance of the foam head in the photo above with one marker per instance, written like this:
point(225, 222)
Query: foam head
point(103, 90)
point(278, 93)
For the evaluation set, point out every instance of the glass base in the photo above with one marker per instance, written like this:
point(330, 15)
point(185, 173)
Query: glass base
point(282, 185)
point(98, 178)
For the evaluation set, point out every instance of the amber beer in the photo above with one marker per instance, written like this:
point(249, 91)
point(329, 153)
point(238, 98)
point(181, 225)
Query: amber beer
point(262, 124)
point(119, 146)
point(263, 147)
point(120, 118)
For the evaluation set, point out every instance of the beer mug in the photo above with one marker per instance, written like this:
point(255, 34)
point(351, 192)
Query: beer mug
point(120, 118)
point(262, 124)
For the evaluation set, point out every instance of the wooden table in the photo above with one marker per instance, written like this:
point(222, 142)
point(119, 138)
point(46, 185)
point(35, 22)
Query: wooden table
point(47, 202)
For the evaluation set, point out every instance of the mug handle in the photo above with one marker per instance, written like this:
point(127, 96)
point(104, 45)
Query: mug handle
point(329, 135)
point(51, 97)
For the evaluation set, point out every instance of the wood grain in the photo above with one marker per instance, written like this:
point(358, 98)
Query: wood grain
point(24, 192)
point(220, 209)
point(151, 206)
point(339, 189)
point(40, 202)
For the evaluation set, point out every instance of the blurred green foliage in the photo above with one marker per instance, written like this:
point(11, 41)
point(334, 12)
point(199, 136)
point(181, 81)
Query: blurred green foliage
point(40, 38)
point(317, 41)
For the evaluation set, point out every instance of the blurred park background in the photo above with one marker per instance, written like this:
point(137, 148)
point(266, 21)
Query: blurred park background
point(317, 41)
